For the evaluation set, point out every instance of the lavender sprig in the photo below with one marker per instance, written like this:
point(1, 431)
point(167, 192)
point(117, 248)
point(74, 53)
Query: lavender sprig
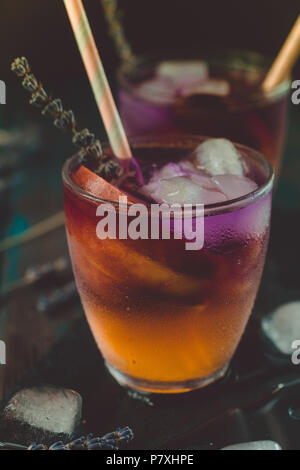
point(116, 29)
point(89, 147)
point(110, 441)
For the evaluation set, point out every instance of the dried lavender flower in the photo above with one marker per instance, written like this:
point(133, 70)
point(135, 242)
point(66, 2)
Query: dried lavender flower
point(66, 121)
point(30, 83)
point(116, 29)
point(110, 169)
point(54, 108)
point(110, 441)
point(83, 138)
point(20, 66)
point(92, 152)
point(89, 148)
point(39, 98)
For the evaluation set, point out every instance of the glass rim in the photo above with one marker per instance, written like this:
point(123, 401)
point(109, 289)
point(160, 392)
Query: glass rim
point(209, 209)
point(222, 58)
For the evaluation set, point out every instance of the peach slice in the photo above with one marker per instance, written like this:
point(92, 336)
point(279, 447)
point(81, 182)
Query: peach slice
point(96, 185)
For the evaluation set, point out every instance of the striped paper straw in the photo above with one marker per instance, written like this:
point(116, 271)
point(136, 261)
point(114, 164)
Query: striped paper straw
point(98, 79)
point(285, 60)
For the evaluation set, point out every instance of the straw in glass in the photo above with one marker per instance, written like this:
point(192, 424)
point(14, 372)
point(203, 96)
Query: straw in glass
point(98, 79)
point(285, 60)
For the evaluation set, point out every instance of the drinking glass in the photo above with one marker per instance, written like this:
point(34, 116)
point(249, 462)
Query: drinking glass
point(165, 318)
point(249, 116)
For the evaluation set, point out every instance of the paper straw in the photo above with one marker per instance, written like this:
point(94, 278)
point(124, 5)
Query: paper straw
point(98, 79)
point(285, 60)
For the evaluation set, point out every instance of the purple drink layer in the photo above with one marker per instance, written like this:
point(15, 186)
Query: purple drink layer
point(216, 172)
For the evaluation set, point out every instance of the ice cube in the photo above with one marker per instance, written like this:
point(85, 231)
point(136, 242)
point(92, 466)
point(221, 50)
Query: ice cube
point(256, 445)
point(181, 69)
point(219, 157)
point(282, 327)
point(188, 167)
point(210, 87)
point(41, 414)
point(182, 190)
point(198, 176)
point(234, 186)
point(158, 90)
point(170, 170)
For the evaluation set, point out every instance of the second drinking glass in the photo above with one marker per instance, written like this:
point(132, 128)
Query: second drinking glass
point(217, 96)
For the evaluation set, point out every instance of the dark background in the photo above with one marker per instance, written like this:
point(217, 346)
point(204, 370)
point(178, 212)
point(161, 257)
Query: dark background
point(40, 30)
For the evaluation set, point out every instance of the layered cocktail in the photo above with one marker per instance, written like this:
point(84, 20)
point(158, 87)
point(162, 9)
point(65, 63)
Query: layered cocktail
point(220, 96)
point(167, 318)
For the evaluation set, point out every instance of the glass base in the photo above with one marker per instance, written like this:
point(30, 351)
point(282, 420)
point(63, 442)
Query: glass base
point(165, 387)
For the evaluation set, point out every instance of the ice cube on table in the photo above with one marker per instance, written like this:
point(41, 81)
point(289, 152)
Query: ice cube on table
point(282, 327)
point(219, 157)
point(41, 414)
point(234, 186)
point(182, 190)
point(256, 445)
point(209, 87)
point(181, 69)
point(158, 90)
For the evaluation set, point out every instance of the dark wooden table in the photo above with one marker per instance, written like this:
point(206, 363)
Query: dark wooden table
point(57, 347)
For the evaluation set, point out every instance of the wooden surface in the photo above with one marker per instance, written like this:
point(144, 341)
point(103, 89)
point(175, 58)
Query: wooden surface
point(57, 347)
